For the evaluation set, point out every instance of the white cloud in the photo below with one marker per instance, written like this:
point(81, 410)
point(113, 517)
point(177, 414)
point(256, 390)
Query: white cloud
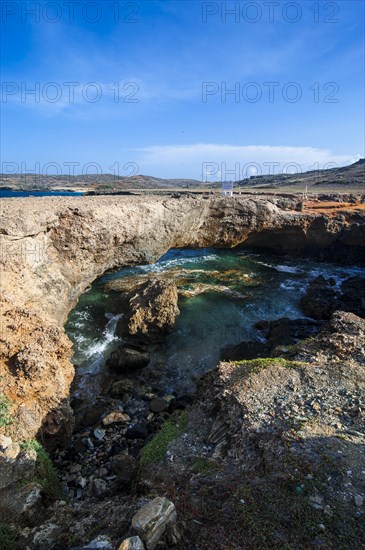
point(214, 162)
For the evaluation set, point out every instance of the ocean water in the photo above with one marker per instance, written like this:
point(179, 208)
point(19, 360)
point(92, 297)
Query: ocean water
point(8, 193)
point(223, 294)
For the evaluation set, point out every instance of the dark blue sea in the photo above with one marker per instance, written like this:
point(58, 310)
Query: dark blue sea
point(9, 193)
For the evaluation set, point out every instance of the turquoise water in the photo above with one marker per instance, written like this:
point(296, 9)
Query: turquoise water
point(8, 193)
point(222, 294)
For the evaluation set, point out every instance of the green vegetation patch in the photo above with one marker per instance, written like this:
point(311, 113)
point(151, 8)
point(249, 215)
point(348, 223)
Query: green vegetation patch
point(5, 411)
point(254, 365)
point(156, 449)
point(204, 466)
point(45, 473)
point(7, 538)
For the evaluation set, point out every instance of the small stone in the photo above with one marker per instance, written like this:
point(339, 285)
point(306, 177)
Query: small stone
point(133, 543)
point(158, 405)
point(89, 444)
point(317, 499)
point(83, 482)
point(5, 442)
point(75, 468)
point(97, 487)
point(99, 434)
point(359, 500)
point(102, 541)
point(138, 431)
point(322, 527)
point(114, 417)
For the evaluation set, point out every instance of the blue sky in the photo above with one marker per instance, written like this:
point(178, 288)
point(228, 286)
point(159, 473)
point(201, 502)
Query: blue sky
point(149, 79)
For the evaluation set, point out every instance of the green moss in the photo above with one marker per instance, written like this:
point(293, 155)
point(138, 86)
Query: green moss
point(45, 473)
point(5, 411)
point(203, 465)
point(7, 538)
point(255, 365)
point(251, 366)
point(156, 449)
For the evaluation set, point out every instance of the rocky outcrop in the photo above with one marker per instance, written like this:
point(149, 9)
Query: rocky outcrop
point(319, 302)
point(53, 248)
point(275, 445)
point(279, 332)
point(151, 311)
point(322, 298)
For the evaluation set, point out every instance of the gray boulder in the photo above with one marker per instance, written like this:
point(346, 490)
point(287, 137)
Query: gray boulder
point(153, 520)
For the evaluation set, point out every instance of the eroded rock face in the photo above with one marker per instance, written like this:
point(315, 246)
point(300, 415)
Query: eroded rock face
point(36, 373)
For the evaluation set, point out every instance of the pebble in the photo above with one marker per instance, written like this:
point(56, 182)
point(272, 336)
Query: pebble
point(99, 434)
point(115, 417)
point(89, 444)
point(83, 482)
point(359, 500)
point(75, 468)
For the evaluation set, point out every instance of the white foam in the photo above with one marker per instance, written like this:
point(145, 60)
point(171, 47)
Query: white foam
point(98, 347)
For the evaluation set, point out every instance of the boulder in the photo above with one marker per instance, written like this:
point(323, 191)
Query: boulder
point(153, 520)
point(102, 541)
point(122, 388)
point(128, 359)
point(133, 543)
point(16, 465)
point(22, 505)
point(285, 331)
point(245, 350)
point(152, 311)
point(353, 295)
point(319, 302)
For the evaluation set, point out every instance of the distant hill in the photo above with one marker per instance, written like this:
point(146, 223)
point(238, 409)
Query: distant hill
point(93, 181)
point(348, 178)
point(352, 176)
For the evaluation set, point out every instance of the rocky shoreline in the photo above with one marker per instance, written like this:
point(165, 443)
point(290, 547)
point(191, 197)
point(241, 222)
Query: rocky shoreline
point(286, 422)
